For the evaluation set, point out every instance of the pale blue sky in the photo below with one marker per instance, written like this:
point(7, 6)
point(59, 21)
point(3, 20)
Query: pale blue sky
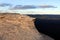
point(33, 2)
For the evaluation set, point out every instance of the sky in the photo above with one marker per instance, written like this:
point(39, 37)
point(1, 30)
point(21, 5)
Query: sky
point(33, 2)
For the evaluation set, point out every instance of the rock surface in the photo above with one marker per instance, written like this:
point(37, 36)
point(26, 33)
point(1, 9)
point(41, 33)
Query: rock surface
point(19, 27)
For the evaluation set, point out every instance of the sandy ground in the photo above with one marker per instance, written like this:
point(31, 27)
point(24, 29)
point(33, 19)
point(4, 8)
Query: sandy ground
point(19, 27)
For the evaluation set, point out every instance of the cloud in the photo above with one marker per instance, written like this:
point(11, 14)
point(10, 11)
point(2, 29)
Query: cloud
point(5, 4)
point(47, 6)
point(24, 7)
point(30, 7)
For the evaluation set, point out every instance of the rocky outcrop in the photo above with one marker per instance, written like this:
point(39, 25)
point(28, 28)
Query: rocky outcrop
point(19, 27)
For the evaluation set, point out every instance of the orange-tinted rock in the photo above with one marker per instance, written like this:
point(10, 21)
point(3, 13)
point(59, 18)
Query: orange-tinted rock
point(18, 27)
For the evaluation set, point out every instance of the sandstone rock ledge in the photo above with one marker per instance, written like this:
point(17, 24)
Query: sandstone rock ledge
point(19, 27)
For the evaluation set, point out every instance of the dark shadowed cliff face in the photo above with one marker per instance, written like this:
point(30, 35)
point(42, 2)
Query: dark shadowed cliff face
point(19, 27)
point(50, 27)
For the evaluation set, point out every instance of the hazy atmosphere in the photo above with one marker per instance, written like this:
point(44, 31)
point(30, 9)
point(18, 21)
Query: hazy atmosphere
point(54, 3)
point(45, 6)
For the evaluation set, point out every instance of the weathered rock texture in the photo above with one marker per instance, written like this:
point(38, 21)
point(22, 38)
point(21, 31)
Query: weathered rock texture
point(19, 27)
